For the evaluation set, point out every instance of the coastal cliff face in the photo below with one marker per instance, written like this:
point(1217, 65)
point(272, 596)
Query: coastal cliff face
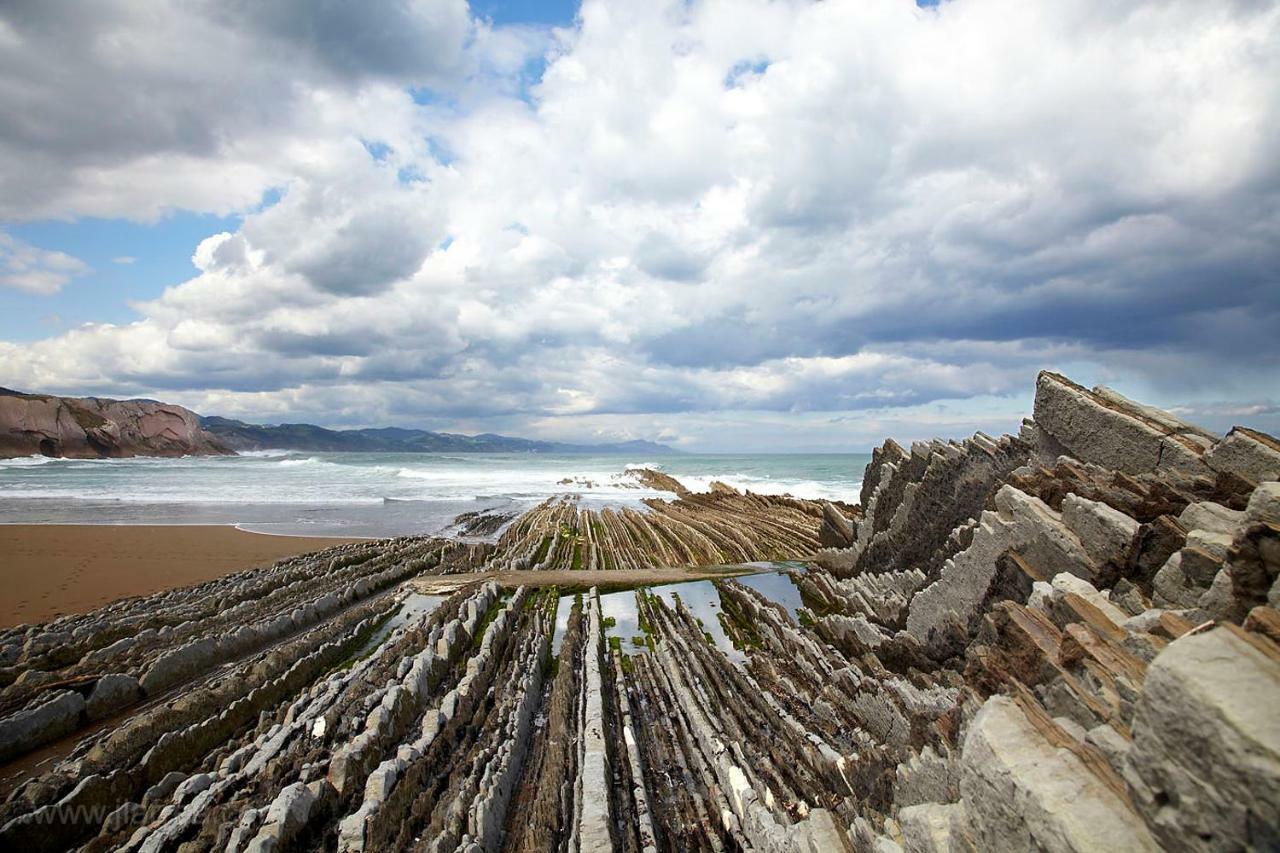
point(1064, 640)
point(92, 427)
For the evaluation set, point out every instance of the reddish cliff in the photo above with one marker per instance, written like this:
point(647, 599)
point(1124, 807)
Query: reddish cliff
point(92, 427)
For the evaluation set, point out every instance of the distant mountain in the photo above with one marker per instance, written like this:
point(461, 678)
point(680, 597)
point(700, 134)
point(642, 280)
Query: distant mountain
point(239, 435)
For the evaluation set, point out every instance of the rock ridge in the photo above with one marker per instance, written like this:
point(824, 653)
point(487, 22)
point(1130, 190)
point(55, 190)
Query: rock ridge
point(1063, 640)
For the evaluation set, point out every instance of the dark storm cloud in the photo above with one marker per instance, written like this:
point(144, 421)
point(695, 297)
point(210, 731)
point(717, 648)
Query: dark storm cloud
point(91, 88)
point(392, 38)
point(1204, 282)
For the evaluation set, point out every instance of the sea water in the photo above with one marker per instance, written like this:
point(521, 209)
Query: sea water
point(701, 597)
point(378, 494)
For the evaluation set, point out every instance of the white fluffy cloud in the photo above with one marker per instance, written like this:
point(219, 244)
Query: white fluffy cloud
point(35, 270)
point(700, 210)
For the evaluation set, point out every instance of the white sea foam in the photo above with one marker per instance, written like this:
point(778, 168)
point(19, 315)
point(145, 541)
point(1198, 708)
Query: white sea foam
point(809, 489)
point(417, 474)
point(25, 461)
point(295, 463)
point(281, 477)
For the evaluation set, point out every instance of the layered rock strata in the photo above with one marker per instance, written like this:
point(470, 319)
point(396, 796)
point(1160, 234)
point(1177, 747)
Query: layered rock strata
point(716, 528)
point(1115, 585)
point(1063, 640)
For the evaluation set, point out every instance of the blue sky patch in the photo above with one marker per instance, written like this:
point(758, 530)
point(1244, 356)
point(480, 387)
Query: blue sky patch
point(556, 13)
point(745, 68)
point(129, 261)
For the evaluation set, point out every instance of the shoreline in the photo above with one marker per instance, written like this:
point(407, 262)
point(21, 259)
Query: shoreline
point(53, 569)
point(240, 525)
point(234, 525)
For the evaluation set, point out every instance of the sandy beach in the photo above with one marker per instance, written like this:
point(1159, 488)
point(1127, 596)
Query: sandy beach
point(48, 570)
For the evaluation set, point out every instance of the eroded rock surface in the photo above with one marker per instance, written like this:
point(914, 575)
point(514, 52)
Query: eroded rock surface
point(1064, 640)
point(91, 427)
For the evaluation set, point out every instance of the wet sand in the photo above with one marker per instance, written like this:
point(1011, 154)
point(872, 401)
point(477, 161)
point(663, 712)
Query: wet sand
point(48, 570)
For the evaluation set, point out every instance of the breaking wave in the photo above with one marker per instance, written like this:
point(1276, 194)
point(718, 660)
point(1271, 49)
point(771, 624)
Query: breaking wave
point(284, 477)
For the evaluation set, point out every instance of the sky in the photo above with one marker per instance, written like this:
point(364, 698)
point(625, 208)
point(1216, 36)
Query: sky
point(730, 225)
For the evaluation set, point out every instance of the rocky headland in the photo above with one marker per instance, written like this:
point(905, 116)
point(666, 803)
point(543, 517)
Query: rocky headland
point(1061, 640)
point(93, 427)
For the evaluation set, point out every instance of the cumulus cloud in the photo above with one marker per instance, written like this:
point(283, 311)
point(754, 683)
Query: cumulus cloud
point(132, 110)
point(35, 270)
point(697, 211)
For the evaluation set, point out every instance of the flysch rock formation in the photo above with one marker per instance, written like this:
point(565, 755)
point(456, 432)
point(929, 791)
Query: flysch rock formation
point(715, 528)
point(93, 427)
point(1064, 640)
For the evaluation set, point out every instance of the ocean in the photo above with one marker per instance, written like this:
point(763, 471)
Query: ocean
point(378, 494)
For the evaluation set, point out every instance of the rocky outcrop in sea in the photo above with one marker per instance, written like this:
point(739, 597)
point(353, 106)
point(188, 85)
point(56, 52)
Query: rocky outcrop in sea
point(95, 427)
point(1062, 640)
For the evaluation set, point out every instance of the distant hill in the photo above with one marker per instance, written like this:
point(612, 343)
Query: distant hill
point(239, 435)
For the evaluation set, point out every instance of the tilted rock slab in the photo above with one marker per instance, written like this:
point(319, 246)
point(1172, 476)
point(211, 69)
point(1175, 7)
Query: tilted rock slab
point(1023, 792)
point(1205, 762)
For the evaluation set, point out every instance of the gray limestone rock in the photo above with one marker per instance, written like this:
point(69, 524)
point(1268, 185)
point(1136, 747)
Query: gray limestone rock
point(1220, 601)
point(1111, 744)
point(1106, 534)
point(836, 531)
point(1214, 517)
point(1214, 543)
point(935, 828)
point(191, 786)
point(178, 665)
point(1020, 522)
point(162, 790)
point(110, 694)
point(48, 721)
point(1172, 588)
point(1070, 583)
point(1264, 504)
point(105, 653)
point(1246, 453)
point(593, 819)
point(1204, 768)
point(1104, 428)
point(1022, 792)
point(285, 818)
